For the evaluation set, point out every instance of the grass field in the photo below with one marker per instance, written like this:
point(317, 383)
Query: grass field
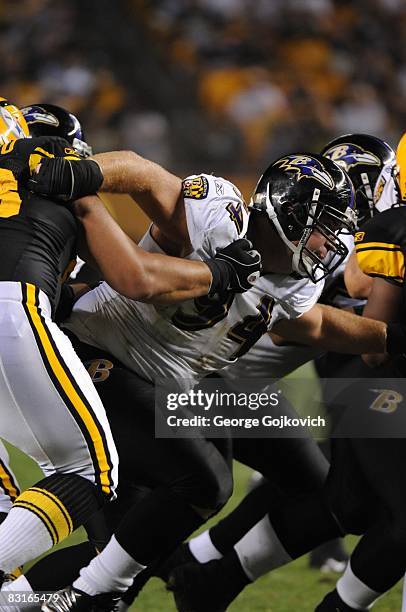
point(294, 588)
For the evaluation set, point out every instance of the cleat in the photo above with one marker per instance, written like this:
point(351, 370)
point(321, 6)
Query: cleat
point(329, 557)
point(72, 599)
point(2, 578)
point(332, 565)
point(180, 556)
point(333, 603)
point(199, 587)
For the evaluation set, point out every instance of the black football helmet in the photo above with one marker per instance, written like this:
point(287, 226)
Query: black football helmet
point(364, 158)
point(52, 120)
point(301, 193)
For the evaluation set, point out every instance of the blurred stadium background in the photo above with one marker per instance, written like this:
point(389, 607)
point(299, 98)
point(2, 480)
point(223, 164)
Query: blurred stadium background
point(220, 86)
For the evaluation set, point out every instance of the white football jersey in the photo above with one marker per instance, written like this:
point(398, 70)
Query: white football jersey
point(386, 192)
point(268, 360)
point(190, 340)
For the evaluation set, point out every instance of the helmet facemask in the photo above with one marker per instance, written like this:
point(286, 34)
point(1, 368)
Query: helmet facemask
point(327, 221)
point(12, 123)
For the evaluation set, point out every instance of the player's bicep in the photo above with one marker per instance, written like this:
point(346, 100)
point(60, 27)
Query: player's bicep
point(384, 301)
point(156, 190)
point(357, 283)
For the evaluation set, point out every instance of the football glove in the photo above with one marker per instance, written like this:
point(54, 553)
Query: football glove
point(236, 267)
point(66, 179)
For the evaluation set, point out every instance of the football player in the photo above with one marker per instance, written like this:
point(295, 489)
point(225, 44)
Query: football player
point(354, 481)
point(303, 202)
point(74, 447)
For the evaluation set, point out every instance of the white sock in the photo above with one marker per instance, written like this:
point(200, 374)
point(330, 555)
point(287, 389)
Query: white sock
point(19, 584)
point(112, 571)
point(260, 550)
point(404, 595)
point(354, 592)
point(203, 549)
point(23, 536)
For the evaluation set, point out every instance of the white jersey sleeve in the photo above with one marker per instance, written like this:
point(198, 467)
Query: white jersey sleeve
point(215, 212)
point(386, 192)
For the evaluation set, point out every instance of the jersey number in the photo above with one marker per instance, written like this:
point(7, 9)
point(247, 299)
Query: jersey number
point(210, 311)
point(248, 331)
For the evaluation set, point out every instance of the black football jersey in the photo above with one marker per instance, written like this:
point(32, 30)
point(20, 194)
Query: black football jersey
point(37, 235)
point(381, 245)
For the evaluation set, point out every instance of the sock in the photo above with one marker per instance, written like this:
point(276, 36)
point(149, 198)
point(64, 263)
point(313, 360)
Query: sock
point(111, 571)
point(44, 515)
point(260, 550)
point(23, 536)
point(354, 592)
point(203, 549)
point(60, 568)
point(18, 585)
point(235, 525)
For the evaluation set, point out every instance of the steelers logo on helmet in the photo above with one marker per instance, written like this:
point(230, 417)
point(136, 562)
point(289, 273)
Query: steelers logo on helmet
point(12, 123)
point(303, 194)
point(364, 158)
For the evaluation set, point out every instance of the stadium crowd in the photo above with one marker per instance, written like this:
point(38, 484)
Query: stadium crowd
point(230, 83)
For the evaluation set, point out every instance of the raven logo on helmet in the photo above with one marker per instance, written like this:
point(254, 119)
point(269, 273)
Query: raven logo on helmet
point(33, 114)
point(306, 167)
point(349, 155)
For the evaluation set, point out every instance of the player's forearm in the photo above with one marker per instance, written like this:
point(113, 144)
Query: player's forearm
point(132, 271)
point(336, 330)
point(125, 172)
point(174, 280)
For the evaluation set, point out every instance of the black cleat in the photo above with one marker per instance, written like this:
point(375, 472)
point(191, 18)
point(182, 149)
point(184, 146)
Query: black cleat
point(199, 587)
point(2, 577)
point(333, 603)
point(72, 599)
point(180, 556)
